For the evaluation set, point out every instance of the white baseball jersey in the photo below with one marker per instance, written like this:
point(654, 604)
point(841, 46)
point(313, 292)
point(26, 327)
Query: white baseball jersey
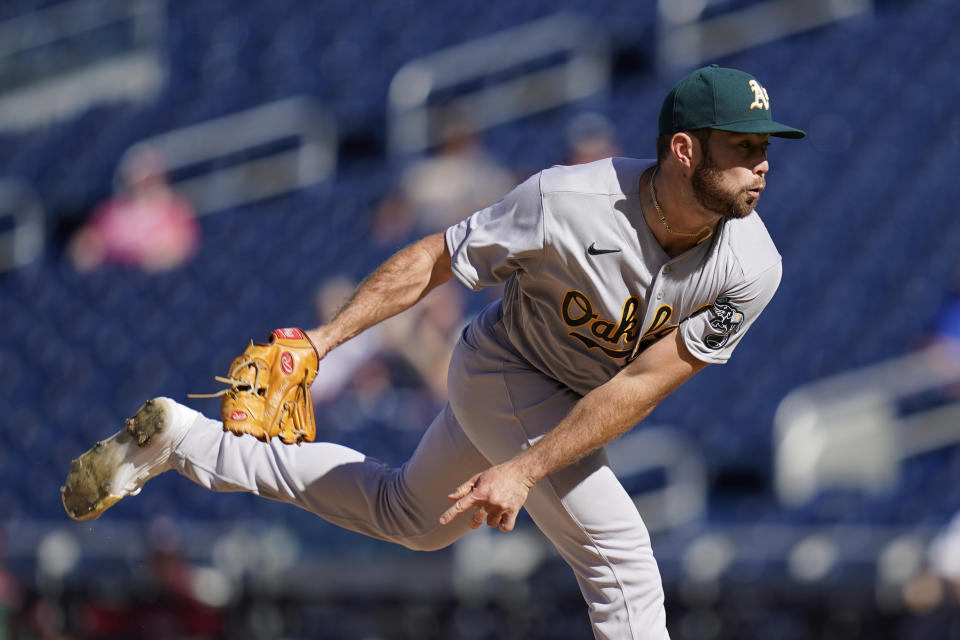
point(586, 278)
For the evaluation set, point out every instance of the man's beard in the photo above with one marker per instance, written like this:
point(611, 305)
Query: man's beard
point(708, 190)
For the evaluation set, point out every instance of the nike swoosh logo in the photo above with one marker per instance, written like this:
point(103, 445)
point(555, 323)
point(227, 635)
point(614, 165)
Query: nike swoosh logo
point(592, 250)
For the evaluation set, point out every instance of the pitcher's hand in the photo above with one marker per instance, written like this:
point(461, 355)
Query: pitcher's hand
point(497, 493)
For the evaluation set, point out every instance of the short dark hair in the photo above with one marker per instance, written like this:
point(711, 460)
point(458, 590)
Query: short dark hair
point(663, 142)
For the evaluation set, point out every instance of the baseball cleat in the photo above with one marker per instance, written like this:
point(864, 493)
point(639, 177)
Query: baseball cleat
point(119, 466)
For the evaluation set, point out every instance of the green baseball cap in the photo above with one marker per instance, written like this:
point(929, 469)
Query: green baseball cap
point(717, 98)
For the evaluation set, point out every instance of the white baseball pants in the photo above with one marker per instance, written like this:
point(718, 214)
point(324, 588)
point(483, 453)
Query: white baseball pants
point(498, 404)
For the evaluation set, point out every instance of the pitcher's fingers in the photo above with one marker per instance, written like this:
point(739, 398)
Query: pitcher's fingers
point(508, 519)
point(461, 505)
point(479, 515)
point(464, 489)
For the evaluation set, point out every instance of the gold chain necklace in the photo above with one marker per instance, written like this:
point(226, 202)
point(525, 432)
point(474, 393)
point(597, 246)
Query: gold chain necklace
point(663, 218)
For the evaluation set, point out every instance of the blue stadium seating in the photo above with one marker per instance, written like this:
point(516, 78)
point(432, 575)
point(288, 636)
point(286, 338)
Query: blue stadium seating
point(863, 211)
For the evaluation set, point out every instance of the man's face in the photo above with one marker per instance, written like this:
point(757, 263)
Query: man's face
point(730, 177)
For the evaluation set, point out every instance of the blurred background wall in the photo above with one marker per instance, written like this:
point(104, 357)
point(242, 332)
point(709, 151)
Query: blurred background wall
point(178, 177)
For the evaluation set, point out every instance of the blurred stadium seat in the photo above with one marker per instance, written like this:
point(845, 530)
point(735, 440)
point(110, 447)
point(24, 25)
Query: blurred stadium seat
point(864, 212)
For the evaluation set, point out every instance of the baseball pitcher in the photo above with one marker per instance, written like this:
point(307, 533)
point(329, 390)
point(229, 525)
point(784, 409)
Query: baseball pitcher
point(623, 278)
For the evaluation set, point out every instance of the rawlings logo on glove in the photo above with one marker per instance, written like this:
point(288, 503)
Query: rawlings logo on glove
point(269, 389)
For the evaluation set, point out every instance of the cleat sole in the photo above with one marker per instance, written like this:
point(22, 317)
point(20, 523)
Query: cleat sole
point(87, 491)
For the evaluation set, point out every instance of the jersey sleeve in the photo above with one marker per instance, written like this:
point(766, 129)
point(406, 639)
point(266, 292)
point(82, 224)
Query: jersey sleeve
point(712, 334)
point(493, 243)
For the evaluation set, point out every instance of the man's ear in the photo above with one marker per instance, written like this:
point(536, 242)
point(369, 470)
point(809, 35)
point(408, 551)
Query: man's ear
point(684, 149)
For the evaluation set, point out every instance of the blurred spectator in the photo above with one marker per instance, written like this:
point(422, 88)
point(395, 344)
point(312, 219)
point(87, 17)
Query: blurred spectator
point(169, 603)
point(146, 225)
point(336, 371)
point(424, 336)
point(411, 349)
point(590, 136)
point(440, 190)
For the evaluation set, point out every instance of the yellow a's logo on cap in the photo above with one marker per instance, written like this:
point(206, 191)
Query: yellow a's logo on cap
point(760, 98)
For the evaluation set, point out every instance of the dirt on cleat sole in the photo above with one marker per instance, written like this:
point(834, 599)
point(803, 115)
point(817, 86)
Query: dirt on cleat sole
point(87, 491)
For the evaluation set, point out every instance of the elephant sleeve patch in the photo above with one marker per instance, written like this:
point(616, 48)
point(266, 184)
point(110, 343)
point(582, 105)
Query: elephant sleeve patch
point(725, 320)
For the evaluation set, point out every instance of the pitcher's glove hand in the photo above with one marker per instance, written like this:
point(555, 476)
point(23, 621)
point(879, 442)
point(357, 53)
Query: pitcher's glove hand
point(269, 392)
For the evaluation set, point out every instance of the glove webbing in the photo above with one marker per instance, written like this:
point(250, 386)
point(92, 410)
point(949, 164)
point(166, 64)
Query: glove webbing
point(235, 383)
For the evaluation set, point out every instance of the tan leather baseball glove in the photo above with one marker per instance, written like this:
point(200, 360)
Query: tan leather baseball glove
point(269, 392)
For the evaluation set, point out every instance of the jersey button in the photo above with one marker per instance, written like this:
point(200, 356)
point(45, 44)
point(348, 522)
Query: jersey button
point(659, 295)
